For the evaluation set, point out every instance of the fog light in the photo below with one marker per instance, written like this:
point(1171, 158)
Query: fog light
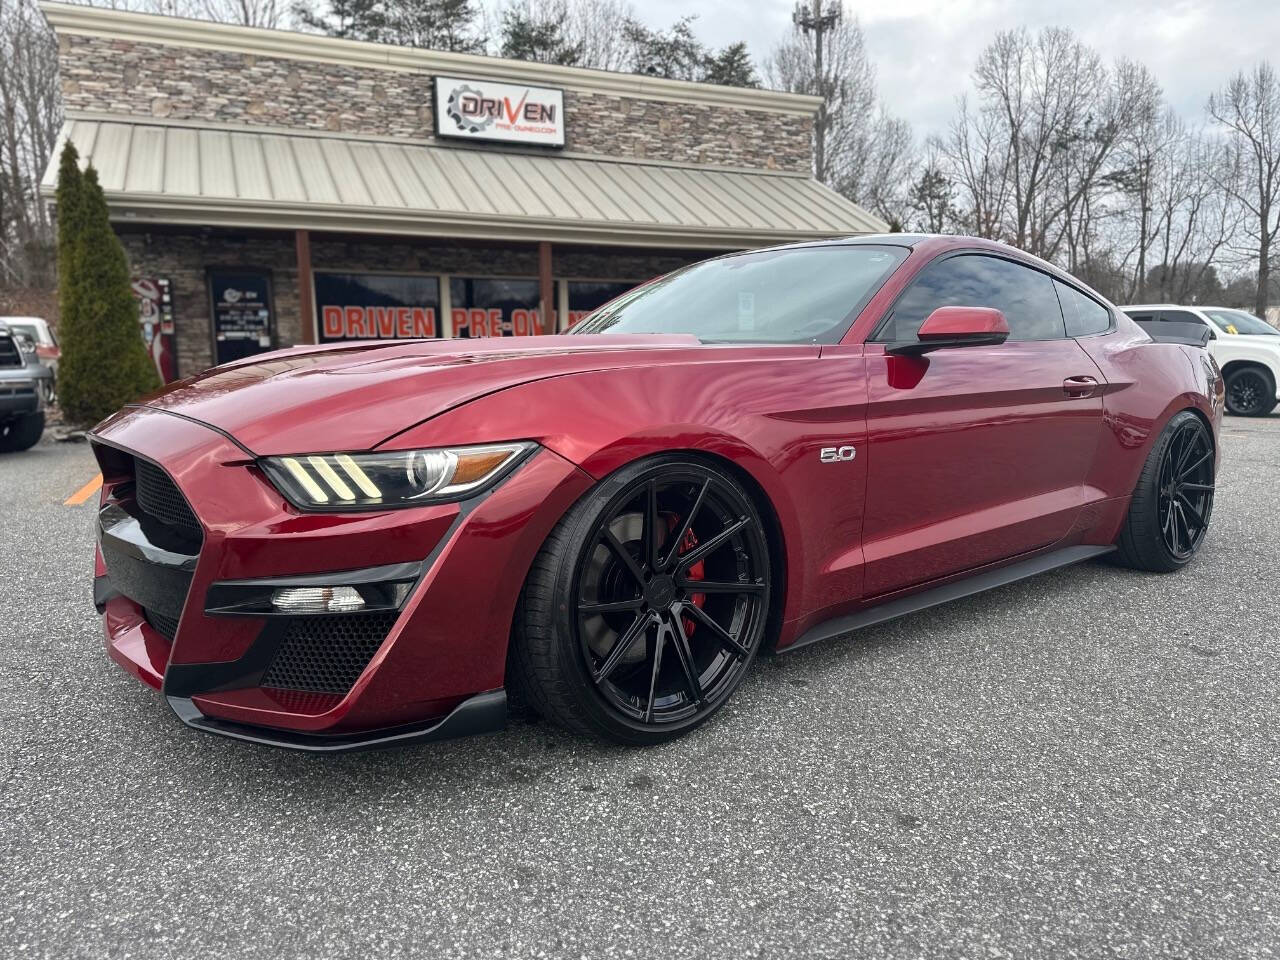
point(317, 600)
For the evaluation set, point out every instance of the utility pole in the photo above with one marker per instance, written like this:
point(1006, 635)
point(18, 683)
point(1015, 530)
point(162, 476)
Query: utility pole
point(817, 22)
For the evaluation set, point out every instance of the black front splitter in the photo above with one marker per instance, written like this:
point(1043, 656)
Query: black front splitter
point(482, 713)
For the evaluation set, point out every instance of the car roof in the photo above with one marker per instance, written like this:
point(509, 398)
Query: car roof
point(934, 243)
point(902, 240)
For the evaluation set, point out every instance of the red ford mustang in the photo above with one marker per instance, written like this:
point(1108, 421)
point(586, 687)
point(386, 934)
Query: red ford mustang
point(363, 544)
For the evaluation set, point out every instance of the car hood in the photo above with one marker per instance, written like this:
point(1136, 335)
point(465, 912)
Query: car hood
point(354, 396)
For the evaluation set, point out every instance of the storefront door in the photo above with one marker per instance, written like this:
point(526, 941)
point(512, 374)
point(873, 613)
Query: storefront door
point(242, 313)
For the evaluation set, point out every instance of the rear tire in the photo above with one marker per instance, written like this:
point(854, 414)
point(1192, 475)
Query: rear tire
point(1173, 501)
point(21, 433)
point(1251, 392)
point(646, 604)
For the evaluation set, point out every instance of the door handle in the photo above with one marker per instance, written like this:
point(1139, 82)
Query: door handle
point(1079, 387)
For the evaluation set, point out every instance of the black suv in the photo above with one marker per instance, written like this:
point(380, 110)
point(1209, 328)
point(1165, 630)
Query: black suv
point(21, 399)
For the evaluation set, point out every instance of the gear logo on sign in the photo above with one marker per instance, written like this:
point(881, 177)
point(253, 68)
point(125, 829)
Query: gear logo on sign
point(453, 107)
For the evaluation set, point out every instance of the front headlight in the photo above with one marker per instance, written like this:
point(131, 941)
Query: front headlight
point(401, 478)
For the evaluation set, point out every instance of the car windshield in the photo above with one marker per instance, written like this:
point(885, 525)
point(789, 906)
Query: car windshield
point(795, 295)
point(1237, 321)
point(27, 330)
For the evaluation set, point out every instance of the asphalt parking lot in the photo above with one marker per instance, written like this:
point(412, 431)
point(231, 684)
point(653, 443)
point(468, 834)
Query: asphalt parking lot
point(1080, 765)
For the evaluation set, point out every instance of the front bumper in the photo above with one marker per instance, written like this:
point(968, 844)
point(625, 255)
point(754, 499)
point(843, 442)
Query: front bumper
point(435, 670)
point(19, 396)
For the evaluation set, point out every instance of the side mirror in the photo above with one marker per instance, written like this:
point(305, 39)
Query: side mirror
point(956, 327)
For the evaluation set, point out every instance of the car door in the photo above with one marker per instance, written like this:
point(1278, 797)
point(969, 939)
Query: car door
point(976, 453)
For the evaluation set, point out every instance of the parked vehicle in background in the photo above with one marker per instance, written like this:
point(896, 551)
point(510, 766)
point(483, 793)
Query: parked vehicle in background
point(1246, 348)
point(23, 383)
point(37, 331)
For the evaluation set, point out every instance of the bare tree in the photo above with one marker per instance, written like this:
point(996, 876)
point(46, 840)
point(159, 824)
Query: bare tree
point(1248, 107)
point(593, 28)
point(1144, 143)
point(1036, 92)
point(246, 13)
point(172, 8)
point(833, 65)
point(1194, 218)
point(596, 26)
point(877, 168)
point(30, 118)
point(1114, 103)
point(859, 148)
point(977, 151)
point(930, 199)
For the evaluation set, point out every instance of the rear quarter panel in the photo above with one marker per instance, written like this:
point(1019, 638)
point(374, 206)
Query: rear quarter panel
point(1146, 384)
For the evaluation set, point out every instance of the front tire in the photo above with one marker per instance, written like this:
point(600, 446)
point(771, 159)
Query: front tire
point(1251, 392)
point(21, 433)
point(646, 604)
point(1172, 503)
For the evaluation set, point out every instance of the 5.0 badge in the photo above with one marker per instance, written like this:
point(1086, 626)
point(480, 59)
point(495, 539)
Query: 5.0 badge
point(837, 454)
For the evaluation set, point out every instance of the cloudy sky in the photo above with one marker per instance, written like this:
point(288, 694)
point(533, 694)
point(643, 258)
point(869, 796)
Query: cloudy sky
point(924, 50)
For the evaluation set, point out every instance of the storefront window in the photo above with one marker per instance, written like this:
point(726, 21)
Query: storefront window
point(486, 307)
point(370, 306)
point(588, 295)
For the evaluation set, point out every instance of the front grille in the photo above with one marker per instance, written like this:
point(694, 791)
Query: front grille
point(303, 701)
point(157, 496)
point(326, 654)
point(10, 355)
point(167, 627)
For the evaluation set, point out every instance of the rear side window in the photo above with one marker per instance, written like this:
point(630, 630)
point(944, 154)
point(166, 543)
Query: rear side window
point(1083, 315)
point(1023, 295)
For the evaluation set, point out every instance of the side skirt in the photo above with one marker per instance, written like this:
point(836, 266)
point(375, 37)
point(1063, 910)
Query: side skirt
point(978, 583)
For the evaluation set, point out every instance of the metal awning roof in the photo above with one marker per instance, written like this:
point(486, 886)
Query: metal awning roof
point(245, 177)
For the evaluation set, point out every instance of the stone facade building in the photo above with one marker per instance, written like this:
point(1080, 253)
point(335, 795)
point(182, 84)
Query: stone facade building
point(274, 188)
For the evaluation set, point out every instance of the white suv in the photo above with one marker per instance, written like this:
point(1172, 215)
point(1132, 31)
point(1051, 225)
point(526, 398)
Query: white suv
point(1246, 348)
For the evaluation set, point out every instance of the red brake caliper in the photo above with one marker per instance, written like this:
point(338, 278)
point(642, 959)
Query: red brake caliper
point(696, 572)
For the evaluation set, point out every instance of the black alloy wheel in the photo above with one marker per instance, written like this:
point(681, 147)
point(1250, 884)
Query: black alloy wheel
point(1173, 501)
point(1250, 392)
point(661, 589)
point(1186, 488)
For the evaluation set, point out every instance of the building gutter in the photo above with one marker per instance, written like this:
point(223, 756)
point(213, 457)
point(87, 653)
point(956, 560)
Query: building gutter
point(132, 208)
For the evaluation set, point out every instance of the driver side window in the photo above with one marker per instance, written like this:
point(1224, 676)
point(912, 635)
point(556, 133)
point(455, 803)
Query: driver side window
point(1023, 295)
